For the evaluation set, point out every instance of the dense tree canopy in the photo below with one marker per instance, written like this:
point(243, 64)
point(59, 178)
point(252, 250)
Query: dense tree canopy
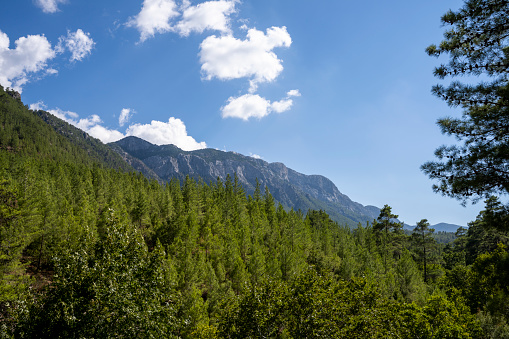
point(90, 251)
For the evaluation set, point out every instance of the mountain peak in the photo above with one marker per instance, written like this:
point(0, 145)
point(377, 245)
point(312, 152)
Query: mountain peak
point(133, 143)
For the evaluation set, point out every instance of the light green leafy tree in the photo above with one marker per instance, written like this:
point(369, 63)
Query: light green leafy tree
point(120, 290)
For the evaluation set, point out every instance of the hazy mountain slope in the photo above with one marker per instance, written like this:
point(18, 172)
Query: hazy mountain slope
point(93, 147)
point(289, 187)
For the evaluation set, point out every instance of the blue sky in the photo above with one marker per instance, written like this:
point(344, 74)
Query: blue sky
point(337, 88)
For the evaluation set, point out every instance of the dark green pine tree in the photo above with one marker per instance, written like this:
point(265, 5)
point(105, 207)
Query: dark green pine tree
point(389, 234)
point(477, 43)
point(13, 238)
point(424, 245)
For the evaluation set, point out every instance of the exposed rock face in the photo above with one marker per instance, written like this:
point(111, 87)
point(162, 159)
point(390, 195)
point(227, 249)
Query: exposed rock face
point(290, 188)
point(14, 94)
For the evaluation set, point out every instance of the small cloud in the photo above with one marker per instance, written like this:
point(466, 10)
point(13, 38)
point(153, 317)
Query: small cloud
point(246, 106)
point(51, 71)
point(256, 156)
point(210, 15)
point(79, 43)
point(282, 105)
point(38, 106)
point(125, 116)
point(154, 17)
point(61, 114)
point(87, 123)
point(104, 134)
point(254, 106)
point(49, 6)
point(228, 58)
point(164, 133)
point(293, 93)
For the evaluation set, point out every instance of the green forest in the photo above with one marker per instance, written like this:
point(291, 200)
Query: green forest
point(91, 249)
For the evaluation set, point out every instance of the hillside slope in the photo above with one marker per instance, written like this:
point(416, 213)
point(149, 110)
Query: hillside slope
point(41, 134)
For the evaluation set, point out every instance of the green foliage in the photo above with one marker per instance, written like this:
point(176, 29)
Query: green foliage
point(313, 306)
point(477, 44)
point(13, 239)
point(424, 245)
point(40, 133)
point(119, 290)
point(203, 261)
point(390, 235)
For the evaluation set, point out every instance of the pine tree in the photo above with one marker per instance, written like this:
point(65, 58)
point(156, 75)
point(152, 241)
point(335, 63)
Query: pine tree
point(478, 45)
point(424, 244)
point(389, 233)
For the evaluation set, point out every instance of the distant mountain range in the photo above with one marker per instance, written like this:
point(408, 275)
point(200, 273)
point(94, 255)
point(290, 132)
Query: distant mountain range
point(292, 189)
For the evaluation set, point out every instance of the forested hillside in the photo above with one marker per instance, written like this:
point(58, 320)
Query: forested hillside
point(90, 248)
point(92, 251)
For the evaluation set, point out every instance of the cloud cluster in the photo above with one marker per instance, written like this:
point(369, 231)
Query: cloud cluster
point(254, 106)
point(32, 53)
point(223, 57)
point(157, 132)
point(79, 43)
point(49, 6)
point(229, 58)
point(157, 16)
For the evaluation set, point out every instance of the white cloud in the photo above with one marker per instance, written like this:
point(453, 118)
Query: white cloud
point(30, 56)
point(91, 125)
point(212, 15)
point(256, 156)
point(246, 106)
point(125, 115)
point(154, 17)
point(87, 123)
point(294, 93)
point(160, 133)
point(229, 58)
point(64, 115)
point(254, 106)
point(29, 59)
point(51, 71)
point(79, 43)
point(163, 133)
point(49, 6)
point(104, 134)
point(38, 106)
point(282, 105)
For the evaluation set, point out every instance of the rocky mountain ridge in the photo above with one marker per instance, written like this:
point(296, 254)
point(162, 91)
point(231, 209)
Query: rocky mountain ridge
point(291, 188)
